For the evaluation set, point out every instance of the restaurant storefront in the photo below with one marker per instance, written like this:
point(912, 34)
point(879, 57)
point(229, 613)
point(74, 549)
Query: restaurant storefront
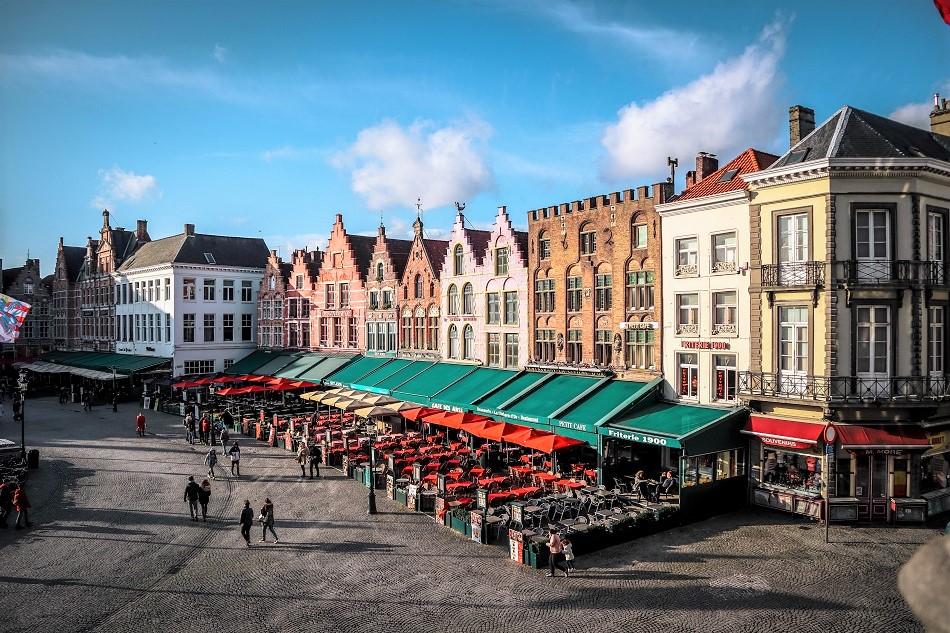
point(935, 467)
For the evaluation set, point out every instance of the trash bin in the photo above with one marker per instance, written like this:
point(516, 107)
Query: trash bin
point(33, 459)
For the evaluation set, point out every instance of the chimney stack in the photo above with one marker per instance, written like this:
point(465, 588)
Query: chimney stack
point(940, 116)
point(690, 179)
point(706, 164)
point(189, 229)
point(141, 229)
point(801, 123)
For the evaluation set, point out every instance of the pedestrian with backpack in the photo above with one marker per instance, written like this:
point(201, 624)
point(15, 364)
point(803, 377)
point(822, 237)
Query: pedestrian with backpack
point(204, 496)
point(316, 457)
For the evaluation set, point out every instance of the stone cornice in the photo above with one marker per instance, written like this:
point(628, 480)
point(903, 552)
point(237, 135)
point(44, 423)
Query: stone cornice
point(840, 167)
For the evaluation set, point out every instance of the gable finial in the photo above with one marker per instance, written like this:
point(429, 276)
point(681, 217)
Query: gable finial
point(419, 207)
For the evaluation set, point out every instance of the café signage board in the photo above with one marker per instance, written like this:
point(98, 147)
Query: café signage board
point(643, 438)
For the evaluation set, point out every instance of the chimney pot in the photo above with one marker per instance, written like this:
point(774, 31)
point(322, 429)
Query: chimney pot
point(801, 123)
point(141, 228)
point(189, 229)
point(706, 164)
point(690, 179)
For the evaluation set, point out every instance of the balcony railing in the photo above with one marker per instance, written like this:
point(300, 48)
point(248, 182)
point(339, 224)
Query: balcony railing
point(686, 270)
point(844, 388)
point(793, 274)
point(889, 272)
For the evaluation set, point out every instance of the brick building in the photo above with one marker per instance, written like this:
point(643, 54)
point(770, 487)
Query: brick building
point(302, 280)
point(69, 260)
point(594, 268)
point(382, 284)
point(26, 284)
point(96, 285)
point(338, 308)
point(418, 297)
point(271, 307)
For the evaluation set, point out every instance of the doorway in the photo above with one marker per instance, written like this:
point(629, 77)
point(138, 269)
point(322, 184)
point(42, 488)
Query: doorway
point(870, 486)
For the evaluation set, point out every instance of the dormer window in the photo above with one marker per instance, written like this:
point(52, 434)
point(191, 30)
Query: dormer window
point(209, 258)
point(459, 260)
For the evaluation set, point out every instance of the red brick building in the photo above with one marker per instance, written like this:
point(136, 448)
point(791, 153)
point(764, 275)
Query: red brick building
point(419, 297)
point(271, 303)
point(382, 285)
point(69, 260)
point(594, 268)
point(338, 307)
point(26, 284)
point(302, 281)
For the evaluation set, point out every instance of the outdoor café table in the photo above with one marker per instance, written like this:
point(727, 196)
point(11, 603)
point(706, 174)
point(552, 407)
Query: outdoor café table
point(431, 478)
point(459, 485)
point(526, 491)
point(487, 481)
point(454, 476)
point(461, 502)
point(544, 476)
point(570, 484)
point(477, 471)
point(455, 445)
point(497, 498)
point(521, 470)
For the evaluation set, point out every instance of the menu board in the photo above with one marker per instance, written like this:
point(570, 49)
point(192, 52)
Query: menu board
point(516, 545)
point(481, 498)
point(390, 486)
point(411, 493)
point(477, 521)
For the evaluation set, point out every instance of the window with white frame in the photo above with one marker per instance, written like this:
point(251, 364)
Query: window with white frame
point(726, 377)
point(344, 295)
point(168, 328)
point(935, 340)
point(459, 260)
point(588, 241)
point(544, 345)
point(574, 346)
point(501, 261)
point(873, 340)
point(453, 342)
point(433, 340)
point(511, 307)
point(936, 245)
point(168, 289)
point(603, 292)
point(199, 366)
point(724, 252)
point(793, 341)
point(544, 295)
point(188, 289)
point(603, 347)
point(227, 290)
point(640, 290)
point(494, 308)
point(468, 299)
point(209, 286)
point(246, 327)
point(575, 294)
point(407, 329)
point(687, 314)
point(639, 352)
point(468, 343)
point(725, 312)
point(639, 235)
point(544, 247)
point(687, 257)
point(420, 323)
point(511, 350)
point(494, 350)
point(329, 295)
point(227, 322)
point(187, 325)
point(247, 292)
point(453, 295)
point(209, 328)
point(688, 370)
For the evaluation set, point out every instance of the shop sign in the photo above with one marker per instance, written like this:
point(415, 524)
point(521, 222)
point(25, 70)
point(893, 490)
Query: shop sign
point(783, 443)
point(704, 344)
point(481, 498)
point(881, 451)
point(411, 493)
point(516, 545)
point(640, 325)
point(390, 486)
point(575, 426)
point(511, 415)
point(477, 519)
point(938, 441)
point(643, 438)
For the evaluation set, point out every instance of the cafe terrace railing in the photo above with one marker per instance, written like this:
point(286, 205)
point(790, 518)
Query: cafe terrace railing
point(844, 388)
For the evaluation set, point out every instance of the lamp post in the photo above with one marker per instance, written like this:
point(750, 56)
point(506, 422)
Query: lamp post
point(21, 383)
point(371, 499)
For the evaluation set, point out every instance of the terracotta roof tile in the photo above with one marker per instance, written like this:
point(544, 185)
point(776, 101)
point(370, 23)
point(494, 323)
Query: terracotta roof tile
point(747, 162)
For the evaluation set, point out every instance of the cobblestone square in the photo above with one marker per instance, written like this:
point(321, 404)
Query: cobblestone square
point(113, 549)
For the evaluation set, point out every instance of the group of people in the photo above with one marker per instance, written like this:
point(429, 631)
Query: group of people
point(233, 451)
point(13, 497)
point(309, 456)
point(199, 495)
point(560, 550)
point(650, 489)
point(206, 431)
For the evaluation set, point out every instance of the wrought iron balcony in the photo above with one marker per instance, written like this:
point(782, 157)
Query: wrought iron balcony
point(844, 388)
point(686, 270)
point(725, 329)
point(687, 329)
point(895, 272)
point(793, 275)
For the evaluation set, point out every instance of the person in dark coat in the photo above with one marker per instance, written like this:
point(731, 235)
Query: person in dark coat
point(191, 496)
point(315, 458)
point(247, 522)
point(267, 520)
point(204, 496)
point(6, 502)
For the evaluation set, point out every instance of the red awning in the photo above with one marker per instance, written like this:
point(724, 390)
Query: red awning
point(222, 380)
point(421, 412)
point(785, 433)
point(552, 443)
point(500, 430)
point(453, 420)
point(897, 437)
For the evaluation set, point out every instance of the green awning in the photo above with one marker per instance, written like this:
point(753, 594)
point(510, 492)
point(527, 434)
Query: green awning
point(251, 362)
point(351, 372)
point(299, 365)
point(275, 364)
point(587, 412)
point(392, 376)
point(666, 424)
point(462, 394)
point(549, 396)
point(380, 373)
point(492, 404)
point(106, 361)
point(421, 387)
point(328, 365)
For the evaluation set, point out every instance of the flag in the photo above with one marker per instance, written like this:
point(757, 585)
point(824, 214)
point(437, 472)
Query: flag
point(12, 315)
point(943, 7)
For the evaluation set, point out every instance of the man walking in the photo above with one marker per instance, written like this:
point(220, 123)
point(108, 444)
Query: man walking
point(190, 428)
point(225, 436)
point(315, 457)
point(247, 522)
point(211, 458)
point(303, 455)
point(267, 520)
point(140, 424)
point(115, 402)
point(235, 453)
point(205, 429)
point(191, 496)
point(22, 505)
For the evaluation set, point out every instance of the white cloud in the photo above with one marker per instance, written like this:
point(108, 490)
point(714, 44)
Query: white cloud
point(220, 53)
point(917, 114)
point(731, 108)
point(394, 165)
point(116, 184)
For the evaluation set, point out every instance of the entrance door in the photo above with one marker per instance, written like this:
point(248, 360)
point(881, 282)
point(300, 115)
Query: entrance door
point(870, 487)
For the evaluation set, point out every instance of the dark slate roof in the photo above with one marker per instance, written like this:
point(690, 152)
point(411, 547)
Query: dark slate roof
point(854, 133)
point(435, 251)
point(746, 162)
point(479, 241)
point(123, 243)
point(73, 257)
point(9, 276)
point(246, 252)
point(363, 247)
point(521, 239)
point(48, 282)
point(285, 270)
point(398, 254)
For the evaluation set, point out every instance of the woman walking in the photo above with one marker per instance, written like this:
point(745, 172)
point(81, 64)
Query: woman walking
point(211, 458)
point(235, 453)
point(267, 520)
point(303, 456)
point(22, 506)
point(204, 496)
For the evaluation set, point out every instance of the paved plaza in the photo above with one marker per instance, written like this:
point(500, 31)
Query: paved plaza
point(113, 549)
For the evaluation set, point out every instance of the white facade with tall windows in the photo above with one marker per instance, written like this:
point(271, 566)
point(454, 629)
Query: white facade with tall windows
point(176, 299)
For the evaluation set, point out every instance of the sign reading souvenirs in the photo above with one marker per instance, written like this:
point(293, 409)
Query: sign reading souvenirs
point(644, 438)
point(783, 443)
point(705, 344)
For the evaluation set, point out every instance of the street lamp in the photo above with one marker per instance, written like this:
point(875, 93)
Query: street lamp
point(371, 500)
point(21, 383)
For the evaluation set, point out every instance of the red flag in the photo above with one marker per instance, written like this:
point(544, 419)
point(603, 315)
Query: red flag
point(943, 6)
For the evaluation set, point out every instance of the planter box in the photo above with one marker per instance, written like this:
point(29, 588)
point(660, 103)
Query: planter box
point(536, 559)
point(460, 525)
point(401, 496)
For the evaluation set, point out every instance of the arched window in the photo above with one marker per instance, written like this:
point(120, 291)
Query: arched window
point(588, 239)
point(379, 271)
point(453, 342)
point(468, 344)
point(406, 330)
point(420, 328)
point(468, 299)
point(433, 328)
point(453, 299)
point(544, 246)
point(418, 285)
point(459, 260)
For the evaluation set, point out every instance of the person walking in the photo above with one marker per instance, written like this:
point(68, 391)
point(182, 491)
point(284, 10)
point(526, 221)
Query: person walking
point(247, 522)
point(6, 503)
point(303, 456)
point(315, 458)
point(205, 429)
point(556, 554)
point(190, 428)
point(204, 496)
point(235, 453)
point(140, 424)
point(568, 554)
point(211, 458)
point(225, 436)
point(267, 520)
point(22, 506)
point(115, 402)
point(191, 496)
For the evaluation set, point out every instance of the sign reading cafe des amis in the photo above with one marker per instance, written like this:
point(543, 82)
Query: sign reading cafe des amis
point(644, 438)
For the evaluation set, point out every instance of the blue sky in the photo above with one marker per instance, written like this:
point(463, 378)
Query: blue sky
point(249, 120)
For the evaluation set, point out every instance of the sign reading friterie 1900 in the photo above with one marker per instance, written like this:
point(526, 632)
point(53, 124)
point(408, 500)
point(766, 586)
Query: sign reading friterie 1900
point(644, 438)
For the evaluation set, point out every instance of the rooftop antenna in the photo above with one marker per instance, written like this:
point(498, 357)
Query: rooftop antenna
point(673, 163)
point(419, 208)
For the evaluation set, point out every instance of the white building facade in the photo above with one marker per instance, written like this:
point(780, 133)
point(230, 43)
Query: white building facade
point(201, 314)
